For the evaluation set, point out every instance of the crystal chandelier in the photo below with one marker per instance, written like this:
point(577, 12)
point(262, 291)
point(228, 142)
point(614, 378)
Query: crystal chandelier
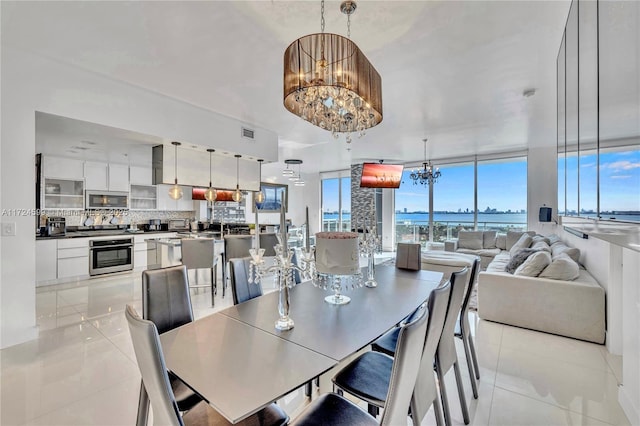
point(428, 174)
point(330, 83)
point(295, 178)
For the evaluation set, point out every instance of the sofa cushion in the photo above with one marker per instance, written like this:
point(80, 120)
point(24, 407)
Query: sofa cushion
point(470, 240)
point(486, 252)
point(534, 264)
point(541, 245)
point(562, 267)
point(518, 259)
point(537, 238)
point(489, 239)
point(499, 262)
point(560, 248)
point(523, 242)
point(501, 241)
point(553, 238)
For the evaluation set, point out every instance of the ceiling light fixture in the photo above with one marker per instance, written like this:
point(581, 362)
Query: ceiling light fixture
point(259, 196)
point(299, 181)
point(175, 192)
point(330, 83)
point(427, 175)
point(210, 194)
point(237, 194)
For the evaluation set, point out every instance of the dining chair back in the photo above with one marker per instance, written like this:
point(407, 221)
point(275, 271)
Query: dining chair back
point(268, 242)
point(408, 256)
point(426, 391)
point(146, 345)
point(200, 253)
point(463, 330)
point(235, 246)
point(446, 356)
point(241, 289)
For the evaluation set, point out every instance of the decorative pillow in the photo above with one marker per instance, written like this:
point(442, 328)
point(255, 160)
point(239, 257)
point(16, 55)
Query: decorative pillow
point(522, 243)
point(470, 240)
point(512, 238)
point(541, 245)
point(553, 238)
point(489, 239)
point(560, 248)
point(518, 259)
point(501, 241)
point(538, 238)
point(534, 264)
point(562, 267)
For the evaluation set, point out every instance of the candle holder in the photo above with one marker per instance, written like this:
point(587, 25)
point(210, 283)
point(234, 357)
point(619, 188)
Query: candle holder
point(368, 247)
point(337, 264)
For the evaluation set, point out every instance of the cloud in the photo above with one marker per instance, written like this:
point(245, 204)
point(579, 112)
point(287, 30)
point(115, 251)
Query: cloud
point(588, 165)
point(621, 165)
point(620, 176)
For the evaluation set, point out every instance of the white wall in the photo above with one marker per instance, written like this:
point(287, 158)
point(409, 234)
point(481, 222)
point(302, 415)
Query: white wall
point(31, 83)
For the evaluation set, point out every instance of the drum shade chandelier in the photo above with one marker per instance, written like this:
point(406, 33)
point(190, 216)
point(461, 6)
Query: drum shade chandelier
point(330, 83)
point(175, 192)
point(428, 174)
point(210, 194)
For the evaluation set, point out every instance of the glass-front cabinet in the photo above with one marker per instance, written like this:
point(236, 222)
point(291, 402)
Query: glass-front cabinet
point(143, 197)
point(63, 194)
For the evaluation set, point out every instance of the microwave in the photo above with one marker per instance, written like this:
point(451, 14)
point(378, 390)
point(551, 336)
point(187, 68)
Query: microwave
point(106, 200)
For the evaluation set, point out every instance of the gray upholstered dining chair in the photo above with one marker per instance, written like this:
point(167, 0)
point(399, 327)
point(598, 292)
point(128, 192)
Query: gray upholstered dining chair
point(241, 289)
point(408, 256)
point(166, 303)
point(368, 377)
point(268, 242)
point(235, 246)
point(200, 253)
point(463, 331)
point(150, 359)
point(446, 355)
point(333, 409)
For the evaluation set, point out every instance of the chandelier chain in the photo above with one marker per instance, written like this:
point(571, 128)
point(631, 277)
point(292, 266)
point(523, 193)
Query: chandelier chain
point(322, 16)
point(349, 25)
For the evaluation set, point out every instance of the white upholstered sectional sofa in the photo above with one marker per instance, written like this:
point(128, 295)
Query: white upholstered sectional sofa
point(549, 292)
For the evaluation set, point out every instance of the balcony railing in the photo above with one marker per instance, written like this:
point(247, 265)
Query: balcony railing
point(418, 231)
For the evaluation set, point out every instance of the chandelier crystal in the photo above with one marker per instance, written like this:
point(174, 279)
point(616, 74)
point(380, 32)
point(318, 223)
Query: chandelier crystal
point(330, 83)
point(427, 175)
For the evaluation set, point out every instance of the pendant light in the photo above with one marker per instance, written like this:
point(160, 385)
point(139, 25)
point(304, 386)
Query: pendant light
point(211, 193)
point(176, 191)
point(259, 196)
point(237, 195)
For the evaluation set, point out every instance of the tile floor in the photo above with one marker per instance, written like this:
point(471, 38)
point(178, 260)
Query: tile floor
point(82, 369)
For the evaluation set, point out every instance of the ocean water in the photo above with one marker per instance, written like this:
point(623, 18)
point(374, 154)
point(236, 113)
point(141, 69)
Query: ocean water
point(423, 218)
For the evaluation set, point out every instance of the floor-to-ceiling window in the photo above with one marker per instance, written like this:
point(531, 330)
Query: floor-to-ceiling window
point(336, 203)
point(480, 194)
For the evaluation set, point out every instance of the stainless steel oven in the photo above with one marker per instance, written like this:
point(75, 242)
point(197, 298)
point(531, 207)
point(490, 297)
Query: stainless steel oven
point(113, 255)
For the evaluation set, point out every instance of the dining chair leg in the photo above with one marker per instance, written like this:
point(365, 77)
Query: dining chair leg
point(143, 406)
point(373, 410)
point(308, 389)
point(443, 396)
point(437, 411)
point(463, 399)
point(213, 287)
point(472, 375)
point(317, 381)
point(474, 356)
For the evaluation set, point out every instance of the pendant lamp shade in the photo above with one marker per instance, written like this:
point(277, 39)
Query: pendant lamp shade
point(210, 194)
point(175, 192)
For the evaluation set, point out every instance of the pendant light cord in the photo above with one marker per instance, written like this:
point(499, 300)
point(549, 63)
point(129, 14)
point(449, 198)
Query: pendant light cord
point(209, 169)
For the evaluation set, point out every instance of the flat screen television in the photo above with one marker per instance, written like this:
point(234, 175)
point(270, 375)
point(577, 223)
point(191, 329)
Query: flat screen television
point(376, 175)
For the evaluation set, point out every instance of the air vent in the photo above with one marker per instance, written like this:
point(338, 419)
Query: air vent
point(248, 133)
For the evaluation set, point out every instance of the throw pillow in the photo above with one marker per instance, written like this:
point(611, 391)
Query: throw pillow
point(518, 259)
point(553, 238)
point(572, 252)
point(562, 267)
point(470, 240)
point(541, 245)
point(523, 243)
point(538, 238)
point(489, 239)
point(512, 238)
point(534, 264)
point(501, 241)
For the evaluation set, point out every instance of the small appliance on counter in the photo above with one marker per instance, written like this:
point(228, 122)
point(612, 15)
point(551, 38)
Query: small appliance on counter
point(179, 225)
point(56, 227)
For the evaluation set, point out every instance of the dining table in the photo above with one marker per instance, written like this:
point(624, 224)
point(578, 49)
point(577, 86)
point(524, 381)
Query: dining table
point(239, 363)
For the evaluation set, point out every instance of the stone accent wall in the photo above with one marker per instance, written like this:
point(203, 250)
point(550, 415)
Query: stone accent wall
point(362, 201)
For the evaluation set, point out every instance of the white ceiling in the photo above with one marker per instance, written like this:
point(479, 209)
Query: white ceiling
point(452, 71)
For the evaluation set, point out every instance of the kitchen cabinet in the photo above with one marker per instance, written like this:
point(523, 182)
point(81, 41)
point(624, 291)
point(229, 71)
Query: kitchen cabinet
point(139, 175)
point(62, 194)
point(143, 197)
point(164, 202)
point(73, 257)
point(106, 177)
point(142, 252)
point(62, 168)
point(46, 260)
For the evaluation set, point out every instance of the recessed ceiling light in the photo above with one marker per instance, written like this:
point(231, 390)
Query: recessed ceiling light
point(88, 142)
point(529, 93)
point(82, 148)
